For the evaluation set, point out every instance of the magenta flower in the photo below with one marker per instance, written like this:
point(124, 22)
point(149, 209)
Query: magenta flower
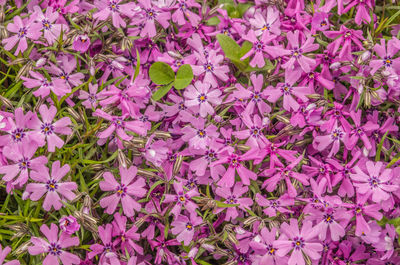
point(233, 197)
point(376, 183)
point(287, 89)
point(296, 52)
point(81, 43)
point(299, 242)
point(17, 129)
point(199, 98)
point(54, 246)
point(91, 98)
point(211, 66)
point(119, 125)
point(107, 251)
point(344, 38)
point(47, 129)
point(259, 48)
point(3, 254)
point(386, 56)
point(334, 138)
point(51, 186)
point(264, 245)
point(114, 9)
point(58, 86)
point(163, 253)
point(51, 30)
point(24, 29)
point(275, 205)
point(358, 132)
point(69, 224)
point(65, 72)
point(184, 228)
point(254, 132)
point(182, 10)
point(278, 174)
point(234, 165)
point(362, 7)
point(123, 192)
point(335, 220)
point(272, 150)
point(182, 198)
point(148, 15)
point(200, 136)
point(268, 23)
point(125, 238)
point(22, 156)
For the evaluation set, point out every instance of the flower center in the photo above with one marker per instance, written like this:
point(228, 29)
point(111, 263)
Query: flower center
point(337, 135)
point(201, 133)
point(259, 46)
point(24, 164)
point(121, 190)
point(271, 250)
point(113, 6)
point(209, 67)
point(286, 89)
point(296, 52)
point(18, 134)
point(266, 27)
point(51, 185)
point(374, 182)
point(46, 24)
point(231, 199)
point(298, 243)
point(234, 161)
point(118, 122)
point(47, 128)
point(189, 226)
point(328, 218)
point(202, 98)
point(54, 249)
point(22, 32)
point(387, 61)
point(151, 13)
point(255, 131)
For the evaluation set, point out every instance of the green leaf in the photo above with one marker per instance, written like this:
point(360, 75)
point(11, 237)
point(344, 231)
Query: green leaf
point(379, 149)
point(229, 46)
point(161, 73)
point(225, 205)
point(184, 77)
point(137, 65)
point(162, 91)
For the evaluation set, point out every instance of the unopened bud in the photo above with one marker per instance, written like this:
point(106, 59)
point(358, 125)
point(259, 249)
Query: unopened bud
point(177, 165)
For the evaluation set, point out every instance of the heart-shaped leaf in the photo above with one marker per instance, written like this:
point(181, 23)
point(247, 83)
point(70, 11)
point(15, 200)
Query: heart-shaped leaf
point(161, 73)
point(184, 77)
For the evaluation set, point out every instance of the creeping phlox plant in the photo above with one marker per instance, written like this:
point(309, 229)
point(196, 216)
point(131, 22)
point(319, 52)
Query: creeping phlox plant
point(199, 132)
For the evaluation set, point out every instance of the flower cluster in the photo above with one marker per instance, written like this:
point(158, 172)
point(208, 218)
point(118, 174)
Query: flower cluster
point(199, 132)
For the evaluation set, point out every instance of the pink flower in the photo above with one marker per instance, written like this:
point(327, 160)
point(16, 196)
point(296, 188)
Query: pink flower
point(107, 251)
point(344, 39)
point(211, 66)
point(24, 29)
point(58, 86)
point(274, 206)
point(234, 165)
point(54, 246)
point(335, 137)
point(150, 13)
point(81, 43)
point(278, 174)
point(200, 96)
point(51, 31)
point(184, 228)
point(125, 238)
point(265, 246)
point(259, 48)
point(299, 242)
point(115, 9)
point(233, 197)
point(51, 186)
point(91, 98)
point(287, 89)
point(182, 199)
point(123, 192)
point(268, 23)
point(200, 136)
point(335, 220)
point(182, 11)
point(65, 72)
point(47, 129)
point(119, 125)
point(22, 156)
point(3, 254)
point(375, 183)
point(17, 129)
point(254, 132)
point(69, 224)
point(386, 56)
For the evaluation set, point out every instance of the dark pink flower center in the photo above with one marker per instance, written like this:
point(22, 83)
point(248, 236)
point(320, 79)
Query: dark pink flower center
point(24, 164)
point(22, 32)
point(328, 218)
point(201, 133)
point(51, 185)
point(46, 24)
point(209, 67)
point(286, 89)
point(337, 135)
point(298, 243)
point(387, 61)
point(231, 199)
point(47, 128)
point(113, 6)
point(374, 182)
point(151, 13)
point(121, 190)
point(202, 98)
point(18, 134)
point(54, 249)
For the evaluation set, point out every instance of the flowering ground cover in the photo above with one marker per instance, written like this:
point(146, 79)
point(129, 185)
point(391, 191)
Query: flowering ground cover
point(199, 132)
